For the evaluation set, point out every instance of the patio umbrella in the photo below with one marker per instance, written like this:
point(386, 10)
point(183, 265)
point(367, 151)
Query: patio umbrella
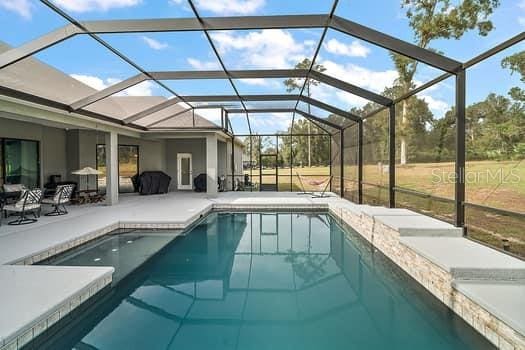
point(87, 171)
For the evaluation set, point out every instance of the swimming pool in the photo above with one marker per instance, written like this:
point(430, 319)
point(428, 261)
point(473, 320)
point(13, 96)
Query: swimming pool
point(266, 281)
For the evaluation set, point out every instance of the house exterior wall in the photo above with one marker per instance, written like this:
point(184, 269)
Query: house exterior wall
point(195, 146)
point(52, 144)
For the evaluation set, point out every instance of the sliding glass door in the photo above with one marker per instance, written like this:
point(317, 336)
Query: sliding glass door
point(20, 162)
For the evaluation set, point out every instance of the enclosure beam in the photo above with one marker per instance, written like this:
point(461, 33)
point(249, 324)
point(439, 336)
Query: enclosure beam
point(228, 98)
point(236, 74)
point(311, 117)
point(392, 156)
point(208, 23)
point(34, 46)
point(24, 96)
point(360, 162)
point(460, 150)
point(231, 23)
point(396, 45)
point(151, 110)
point(353, 89)
point(168, 117)
point(329, 108)
point(113, 89)
point(342, 165)
point(259, 110)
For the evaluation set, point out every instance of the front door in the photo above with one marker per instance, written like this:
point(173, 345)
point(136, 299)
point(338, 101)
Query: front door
point(185, 171)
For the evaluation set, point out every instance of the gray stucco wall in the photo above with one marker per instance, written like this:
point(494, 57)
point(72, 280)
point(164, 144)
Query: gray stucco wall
point(52, 144)
point(195, 146)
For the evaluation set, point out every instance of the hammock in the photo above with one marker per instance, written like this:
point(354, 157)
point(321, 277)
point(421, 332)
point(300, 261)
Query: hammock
point(318, 183)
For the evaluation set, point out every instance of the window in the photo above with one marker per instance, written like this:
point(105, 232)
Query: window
point(20, 162)
point(128, 166)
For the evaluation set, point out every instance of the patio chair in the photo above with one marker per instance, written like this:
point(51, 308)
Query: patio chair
point(61, 197)
point(29, 202)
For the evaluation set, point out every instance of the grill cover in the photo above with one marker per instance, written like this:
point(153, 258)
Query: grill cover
point(153, 182)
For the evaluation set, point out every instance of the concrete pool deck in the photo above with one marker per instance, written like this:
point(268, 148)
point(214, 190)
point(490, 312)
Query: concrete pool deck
point(436, 242)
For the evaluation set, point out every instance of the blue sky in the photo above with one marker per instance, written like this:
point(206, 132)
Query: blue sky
point(344, 57)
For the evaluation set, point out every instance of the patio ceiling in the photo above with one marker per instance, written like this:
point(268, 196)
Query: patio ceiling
point(235, 102)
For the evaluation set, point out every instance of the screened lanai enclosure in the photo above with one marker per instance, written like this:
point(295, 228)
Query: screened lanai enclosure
point(318, 92)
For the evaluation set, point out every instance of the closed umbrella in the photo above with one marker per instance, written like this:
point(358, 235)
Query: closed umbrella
point(87, 171)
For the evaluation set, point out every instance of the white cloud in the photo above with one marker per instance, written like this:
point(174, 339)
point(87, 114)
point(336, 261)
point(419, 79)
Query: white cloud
point(438, 107)
point(225, 7)
point(154, 44)
point(80, 6)
point(268, 48)
point(261, 82)
point(23, 8)
point(92, 81)
point(360, 76)
point(144, 88)
point(354, 49)
point(203, 65)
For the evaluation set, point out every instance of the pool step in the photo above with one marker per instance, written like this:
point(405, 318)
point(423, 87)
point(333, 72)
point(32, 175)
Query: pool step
point(467, 260)
point(506, 300)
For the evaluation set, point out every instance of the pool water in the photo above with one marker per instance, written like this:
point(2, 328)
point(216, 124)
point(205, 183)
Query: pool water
point(267, 281)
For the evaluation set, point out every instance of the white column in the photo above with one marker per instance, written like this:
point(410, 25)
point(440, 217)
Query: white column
point(211, 164)
point(111, 168)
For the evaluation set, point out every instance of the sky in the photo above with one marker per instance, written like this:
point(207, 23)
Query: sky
point(344, 57)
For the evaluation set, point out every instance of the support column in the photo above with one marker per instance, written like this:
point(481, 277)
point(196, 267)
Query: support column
point(342, 160)
point(111, 168)
point(211, 164)
point(392, 156)
point(460, 149)
point(360, 162)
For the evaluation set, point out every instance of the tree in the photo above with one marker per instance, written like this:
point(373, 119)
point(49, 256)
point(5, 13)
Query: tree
point(516, 64)
point(431, 20)
point(297, 84)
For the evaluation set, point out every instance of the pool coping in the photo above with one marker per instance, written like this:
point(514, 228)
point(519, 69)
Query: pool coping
point(370, 226)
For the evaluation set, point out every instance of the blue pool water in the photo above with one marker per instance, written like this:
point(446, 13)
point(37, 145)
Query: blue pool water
point(266, 281)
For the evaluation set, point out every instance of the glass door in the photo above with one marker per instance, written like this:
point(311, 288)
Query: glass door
point(184, 172)
point(21, 162)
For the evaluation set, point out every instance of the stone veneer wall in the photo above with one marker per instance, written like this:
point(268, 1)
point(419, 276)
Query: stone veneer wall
point(432, 277)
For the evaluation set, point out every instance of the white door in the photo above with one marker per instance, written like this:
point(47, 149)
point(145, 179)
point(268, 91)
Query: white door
point(184, 172)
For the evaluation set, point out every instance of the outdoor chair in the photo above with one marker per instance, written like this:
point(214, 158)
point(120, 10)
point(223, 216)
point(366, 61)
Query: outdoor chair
point(29, 202)
point(59, 200)
point(322, 184)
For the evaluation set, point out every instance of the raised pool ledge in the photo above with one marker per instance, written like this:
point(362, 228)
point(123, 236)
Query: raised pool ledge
point(39, 296)
point(482, 285)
